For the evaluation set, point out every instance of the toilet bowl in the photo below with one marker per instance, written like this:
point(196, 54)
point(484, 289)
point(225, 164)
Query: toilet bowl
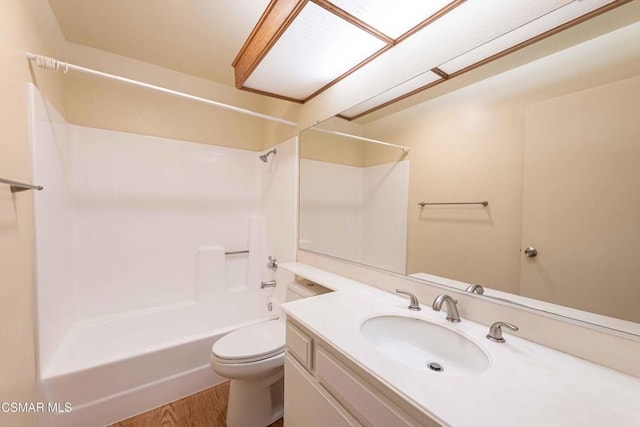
point(253, 359)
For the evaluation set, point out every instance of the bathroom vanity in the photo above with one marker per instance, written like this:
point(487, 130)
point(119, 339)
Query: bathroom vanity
point(349, 362)
point(323, 387)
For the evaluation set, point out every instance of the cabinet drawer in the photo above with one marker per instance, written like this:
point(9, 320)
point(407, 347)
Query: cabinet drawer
point(366, 404)
point(300, 346)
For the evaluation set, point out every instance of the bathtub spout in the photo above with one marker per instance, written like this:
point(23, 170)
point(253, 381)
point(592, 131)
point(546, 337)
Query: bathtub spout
point(269, 284)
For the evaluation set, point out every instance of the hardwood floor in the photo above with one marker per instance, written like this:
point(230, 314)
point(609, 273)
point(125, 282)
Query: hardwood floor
point(207, 408)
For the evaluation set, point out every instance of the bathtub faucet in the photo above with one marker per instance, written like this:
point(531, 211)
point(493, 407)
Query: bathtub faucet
point(273, 263)
point(269, 284)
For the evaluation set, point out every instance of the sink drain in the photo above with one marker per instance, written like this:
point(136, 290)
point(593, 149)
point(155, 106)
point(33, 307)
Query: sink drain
point(435, 367)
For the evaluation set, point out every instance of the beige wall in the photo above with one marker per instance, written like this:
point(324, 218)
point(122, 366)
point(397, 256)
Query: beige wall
point(374, 154)
point(26, 25)
point(331, 148)
point(275, 133)
point(325, 147)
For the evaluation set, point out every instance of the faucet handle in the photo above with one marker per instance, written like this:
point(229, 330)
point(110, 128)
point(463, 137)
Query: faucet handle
point(415, 304)
point(475, 289)
point(273, 263)
point(495, 331)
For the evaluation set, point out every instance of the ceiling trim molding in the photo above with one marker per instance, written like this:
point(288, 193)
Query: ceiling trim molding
point(352, 70)
point(439, 14)
point(393, 101)
point(276, 18)
point(353, 20)
point(441, 73)
point(273, 95)
point(535, 39)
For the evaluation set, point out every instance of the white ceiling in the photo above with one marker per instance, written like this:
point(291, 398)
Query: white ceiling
point(198, 37)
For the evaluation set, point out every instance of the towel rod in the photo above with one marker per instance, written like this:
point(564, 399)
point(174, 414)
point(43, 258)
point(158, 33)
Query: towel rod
point(483, 203)
point(236, 252)
point(20, 186)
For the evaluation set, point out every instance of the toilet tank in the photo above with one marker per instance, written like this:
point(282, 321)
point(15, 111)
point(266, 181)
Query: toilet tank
point(303, 288)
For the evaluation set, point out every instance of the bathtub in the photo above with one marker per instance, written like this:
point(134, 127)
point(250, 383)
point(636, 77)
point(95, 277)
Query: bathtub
point(112, 368)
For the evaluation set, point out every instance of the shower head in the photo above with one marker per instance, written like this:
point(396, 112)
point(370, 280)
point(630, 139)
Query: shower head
point(265, 156)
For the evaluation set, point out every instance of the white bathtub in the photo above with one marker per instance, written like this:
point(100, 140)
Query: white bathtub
point(113, 368)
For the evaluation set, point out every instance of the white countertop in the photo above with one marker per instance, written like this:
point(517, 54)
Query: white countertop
point(526, 385)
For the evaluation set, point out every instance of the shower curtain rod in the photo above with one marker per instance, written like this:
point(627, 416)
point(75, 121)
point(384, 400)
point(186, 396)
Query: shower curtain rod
point(361, 138)
point(54, 64)
point(20, 186)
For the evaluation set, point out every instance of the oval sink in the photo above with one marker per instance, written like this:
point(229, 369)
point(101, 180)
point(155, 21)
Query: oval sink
point(425, 346)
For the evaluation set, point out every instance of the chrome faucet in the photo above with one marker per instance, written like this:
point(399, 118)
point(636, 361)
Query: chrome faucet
point(495, 331)
point(415, 304)
point(475, 289)
point(269, 284)
point(272, 264)
point(452, 309)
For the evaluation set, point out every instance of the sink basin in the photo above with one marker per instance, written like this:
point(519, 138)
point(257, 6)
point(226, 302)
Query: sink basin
point(424, 346)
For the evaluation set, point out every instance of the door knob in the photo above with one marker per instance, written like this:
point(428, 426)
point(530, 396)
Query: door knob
point(530, 252)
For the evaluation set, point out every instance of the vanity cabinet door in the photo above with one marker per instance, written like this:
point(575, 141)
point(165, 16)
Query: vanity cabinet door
point(300, 346)
point(307, 404)
point(365, 403)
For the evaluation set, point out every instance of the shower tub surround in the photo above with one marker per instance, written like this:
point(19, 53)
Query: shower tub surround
point(133, 284)
point(343, 208)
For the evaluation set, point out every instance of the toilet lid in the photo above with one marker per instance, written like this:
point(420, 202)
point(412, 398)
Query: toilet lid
point(252, 343)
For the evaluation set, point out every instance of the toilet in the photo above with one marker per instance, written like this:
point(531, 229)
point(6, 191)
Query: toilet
point(253, 359)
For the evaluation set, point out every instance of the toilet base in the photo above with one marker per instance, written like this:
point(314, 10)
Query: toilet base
point(256, 403)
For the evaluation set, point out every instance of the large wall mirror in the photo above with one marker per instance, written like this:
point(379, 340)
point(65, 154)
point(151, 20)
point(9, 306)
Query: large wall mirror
point(552, 146)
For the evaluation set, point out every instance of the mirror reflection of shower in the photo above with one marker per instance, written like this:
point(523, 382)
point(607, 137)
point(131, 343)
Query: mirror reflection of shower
point(265, 156)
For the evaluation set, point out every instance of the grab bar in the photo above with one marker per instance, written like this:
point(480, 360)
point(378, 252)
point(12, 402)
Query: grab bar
point(20, 186)
point(236, 252)
point(483, 203)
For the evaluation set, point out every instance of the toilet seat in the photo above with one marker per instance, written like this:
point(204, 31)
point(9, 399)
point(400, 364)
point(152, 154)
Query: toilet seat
point(251, 344)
